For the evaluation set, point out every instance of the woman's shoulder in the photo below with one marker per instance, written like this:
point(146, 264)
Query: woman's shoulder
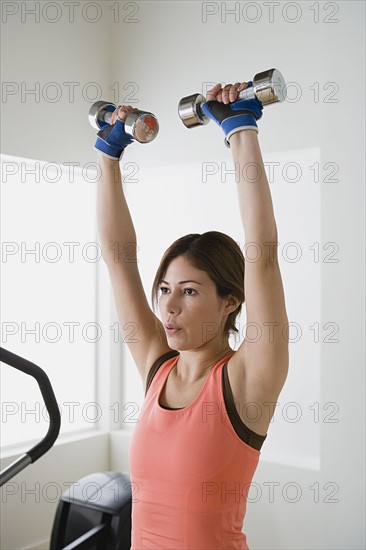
point(157, 364)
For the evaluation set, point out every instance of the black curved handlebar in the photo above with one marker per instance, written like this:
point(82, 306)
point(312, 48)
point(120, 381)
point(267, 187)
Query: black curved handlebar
point(49, 398)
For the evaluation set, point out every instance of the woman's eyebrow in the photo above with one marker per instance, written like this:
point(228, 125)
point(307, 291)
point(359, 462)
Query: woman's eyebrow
point(182, 282)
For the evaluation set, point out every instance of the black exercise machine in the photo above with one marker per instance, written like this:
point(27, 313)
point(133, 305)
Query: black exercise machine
point(85, 520)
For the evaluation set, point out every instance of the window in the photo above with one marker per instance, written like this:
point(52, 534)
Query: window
point(49, 295)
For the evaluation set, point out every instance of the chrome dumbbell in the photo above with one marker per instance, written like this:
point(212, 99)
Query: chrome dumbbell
point(268, 86)
point(142, 125)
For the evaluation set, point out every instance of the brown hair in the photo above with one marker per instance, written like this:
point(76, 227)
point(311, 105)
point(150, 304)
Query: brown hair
point(219, 256)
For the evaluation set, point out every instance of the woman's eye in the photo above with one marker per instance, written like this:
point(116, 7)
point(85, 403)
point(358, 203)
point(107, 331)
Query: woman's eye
point(191, 291)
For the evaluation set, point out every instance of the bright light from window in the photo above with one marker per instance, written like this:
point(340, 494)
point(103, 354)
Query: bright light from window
point(48, 295)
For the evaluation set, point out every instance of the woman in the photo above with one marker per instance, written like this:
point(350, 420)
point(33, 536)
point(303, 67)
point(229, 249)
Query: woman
point(207, 408)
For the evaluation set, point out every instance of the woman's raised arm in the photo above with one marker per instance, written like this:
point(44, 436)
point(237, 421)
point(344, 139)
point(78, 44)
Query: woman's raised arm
point(140, 328)
point(263, 356)
point(116, 230)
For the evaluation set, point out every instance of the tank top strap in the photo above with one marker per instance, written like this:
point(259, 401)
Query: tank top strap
point(156, 366)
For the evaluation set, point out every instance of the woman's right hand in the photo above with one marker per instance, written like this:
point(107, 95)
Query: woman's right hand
point(112, 139)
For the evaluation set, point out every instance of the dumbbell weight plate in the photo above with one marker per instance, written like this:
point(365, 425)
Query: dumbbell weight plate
point(100, 114)
point(190, 112)
point(270, 87)
point(142, 125)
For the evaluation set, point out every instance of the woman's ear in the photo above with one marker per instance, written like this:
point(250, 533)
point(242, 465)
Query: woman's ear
point(232, 303)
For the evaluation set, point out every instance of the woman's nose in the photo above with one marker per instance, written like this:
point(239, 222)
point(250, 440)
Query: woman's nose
point(171, 304)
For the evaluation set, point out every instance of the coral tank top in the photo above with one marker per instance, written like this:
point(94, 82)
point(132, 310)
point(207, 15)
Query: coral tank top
point(190, 472)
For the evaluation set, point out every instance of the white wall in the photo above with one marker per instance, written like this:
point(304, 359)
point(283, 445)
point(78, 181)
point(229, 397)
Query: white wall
point(65, 63)
point(169, 52)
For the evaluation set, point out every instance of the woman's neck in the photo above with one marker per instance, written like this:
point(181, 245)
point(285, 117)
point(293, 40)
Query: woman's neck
point(193, 365)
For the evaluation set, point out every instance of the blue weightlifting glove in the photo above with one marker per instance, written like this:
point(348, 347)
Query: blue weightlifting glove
point(112, 140)
point(236, 116)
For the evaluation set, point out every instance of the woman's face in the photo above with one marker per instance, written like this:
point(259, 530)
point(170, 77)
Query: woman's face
point(188, 300)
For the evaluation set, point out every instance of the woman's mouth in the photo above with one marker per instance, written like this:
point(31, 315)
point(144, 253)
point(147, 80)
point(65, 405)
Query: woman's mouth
point(172, 330)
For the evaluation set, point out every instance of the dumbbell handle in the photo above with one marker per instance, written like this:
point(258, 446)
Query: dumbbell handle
point(105, 116)
point(250, 93)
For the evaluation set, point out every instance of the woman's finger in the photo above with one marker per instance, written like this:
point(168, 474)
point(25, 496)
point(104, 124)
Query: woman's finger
point(212, 94)
point(242, 86)
point(233, 92)
point(226, 93)
point(121, 113)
